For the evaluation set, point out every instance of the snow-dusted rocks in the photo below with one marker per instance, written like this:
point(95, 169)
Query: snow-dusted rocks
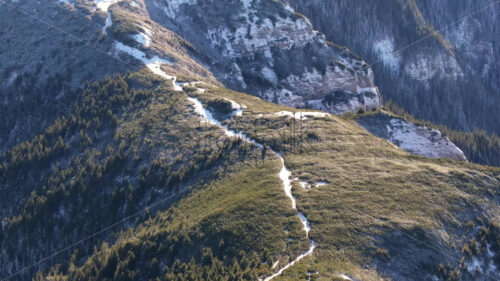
point(171, 8)
point(453, 71)
point(416, 139)
point(422, 140)
point(143, 38)
point(302, 115)
point(384, 50)
point(266, 49)
point(340, 102)
point(428, 66)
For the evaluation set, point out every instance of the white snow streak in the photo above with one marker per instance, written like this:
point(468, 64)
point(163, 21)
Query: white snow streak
point(108, 23)
point(103, 5)
point(284, 175)
point(302, 115)
point(285, 178)
point(207, 116)
point(154, 64)
point(142, 39)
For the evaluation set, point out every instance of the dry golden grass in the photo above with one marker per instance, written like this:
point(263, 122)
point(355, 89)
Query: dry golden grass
point(373, 186)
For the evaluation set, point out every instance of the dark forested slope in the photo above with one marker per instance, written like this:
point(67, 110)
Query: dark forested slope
point(450, 78)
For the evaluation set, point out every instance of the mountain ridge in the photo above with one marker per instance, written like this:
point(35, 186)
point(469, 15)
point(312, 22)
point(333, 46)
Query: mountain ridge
point(135, 139)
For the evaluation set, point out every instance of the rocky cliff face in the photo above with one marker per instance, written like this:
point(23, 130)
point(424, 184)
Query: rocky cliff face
point(267, 49)
point(261, 47)
point(449, 78)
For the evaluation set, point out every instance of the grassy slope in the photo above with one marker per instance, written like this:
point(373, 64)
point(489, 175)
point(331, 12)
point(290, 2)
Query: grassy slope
point(128, 21)
point(235, 194)
point(247, 210)
point(374, 187)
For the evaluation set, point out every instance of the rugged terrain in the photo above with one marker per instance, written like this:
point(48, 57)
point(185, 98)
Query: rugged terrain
point(160, 172)
point(451, 78)
point(268, 50)
point(50, 51)
point(417, 139)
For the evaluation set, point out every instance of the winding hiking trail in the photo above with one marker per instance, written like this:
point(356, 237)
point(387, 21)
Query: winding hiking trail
point(284, 175)
point(154, 64)
point(285, 178)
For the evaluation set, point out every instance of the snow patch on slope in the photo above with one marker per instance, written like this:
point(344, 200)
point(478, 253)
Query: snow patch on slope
point(103, 5)
point(345, 277)
point(260, 34)
point(416, 139)
point(422, 140)
point(109, 22)
point(423, 68)
point(154, 63)
point(473, 265)
point(143, 38)
point(384, 49)
point(66, 1)
point(307, 186)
